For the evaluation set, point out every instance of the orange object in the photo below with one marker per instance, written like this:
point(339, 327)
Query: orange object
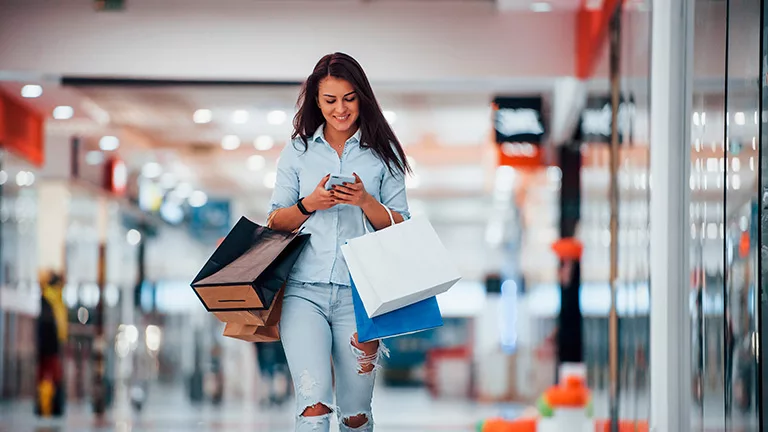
point(744, 245)
point(568, 248)
point(502, 425)
point(574, 382)
point(21, 130)
point(603, 425)
point(591, 36)
point(567, 397)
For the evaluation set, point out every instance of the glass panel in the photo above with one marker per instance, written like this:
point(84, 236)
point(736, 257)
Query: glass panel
point(634, 192)
point(706, 213)
point(739, 363)
point(764, 208)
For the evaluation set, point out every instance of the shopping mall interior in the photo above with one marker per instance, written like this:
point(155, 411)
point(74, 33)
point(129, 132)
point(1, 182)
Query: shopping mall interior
point(134, 134)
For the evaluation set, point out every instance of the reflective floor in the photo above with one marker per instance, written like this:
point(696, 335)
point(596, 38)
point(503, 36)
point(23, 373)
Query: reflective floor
point(409, 410)
point(168, 410)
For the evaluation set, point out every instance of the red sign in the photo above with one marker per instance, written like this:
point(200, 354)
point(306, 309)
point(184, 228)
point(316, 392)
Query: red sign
point(21, 130)
point(115, 176)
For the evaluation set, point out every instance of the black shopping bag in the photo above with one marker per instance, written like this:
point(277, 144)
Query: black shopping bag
point(248, 268)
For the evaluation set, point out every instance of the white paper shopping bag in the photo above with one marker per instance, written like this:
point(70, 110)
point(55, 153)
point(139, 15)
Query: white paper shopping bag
point(399, 265)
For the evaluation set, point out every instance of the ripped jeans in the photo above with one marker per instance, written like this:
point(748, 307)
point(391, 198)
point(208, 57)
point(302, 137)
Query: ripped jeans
point(317, 325)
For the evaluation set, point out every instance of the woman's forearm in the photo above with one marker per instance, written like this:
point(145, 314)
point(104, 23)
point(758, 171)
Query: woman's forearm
point(378, 215)
point(287, 219)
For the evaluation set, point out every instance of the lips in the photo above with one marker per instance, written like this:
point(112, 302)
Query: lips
point(342, 118)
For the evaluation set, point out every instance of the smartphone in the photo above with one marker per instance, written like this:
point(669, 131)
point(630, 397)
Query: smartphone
point(338, 179)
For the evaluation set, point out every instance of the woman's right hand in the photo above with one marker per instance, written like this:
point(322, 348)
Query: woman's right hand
point(320, 199)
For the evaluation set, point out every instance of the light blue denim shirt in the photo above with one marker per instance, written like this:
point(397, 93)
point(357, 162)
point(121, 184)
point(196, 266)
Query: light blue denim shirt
point(299, 172)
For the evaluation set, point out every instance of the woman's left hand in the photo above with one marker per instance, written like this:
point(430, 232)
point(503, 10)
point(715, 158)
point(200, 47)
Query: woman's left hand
point(351, 193)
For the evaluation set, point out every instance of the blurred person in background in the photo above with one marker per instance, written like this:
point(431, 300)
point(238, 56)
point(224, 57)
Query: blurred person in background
point(568, 333)
point(51, 339)
point(338, 129)
point(273, 367)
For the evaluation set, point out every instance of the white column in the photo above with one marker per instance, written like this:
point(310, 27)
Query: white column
point(53, 215)
point(671, 81)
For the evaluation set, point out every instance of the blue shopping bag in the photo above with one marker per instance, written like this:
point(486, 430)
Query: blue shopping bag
point(417, 317)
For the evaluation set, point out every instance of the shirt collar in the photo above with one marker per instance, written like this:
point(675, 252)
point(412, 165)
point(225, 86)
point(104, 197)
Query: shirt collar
point(319, 135)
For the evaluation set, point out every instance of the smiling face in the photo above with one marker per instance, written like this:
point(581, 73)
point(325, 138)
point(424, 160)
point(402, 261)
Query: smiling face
point(339, 104)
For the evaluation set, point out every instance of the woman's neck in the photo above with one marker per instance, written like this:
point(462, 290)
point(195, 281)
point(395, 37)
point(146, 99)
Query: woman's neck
point(337, 137)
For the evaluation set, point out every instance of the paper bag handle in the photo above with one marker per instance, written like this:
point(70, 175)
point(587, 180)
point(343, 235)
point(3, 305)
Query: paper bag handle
point(365, 220)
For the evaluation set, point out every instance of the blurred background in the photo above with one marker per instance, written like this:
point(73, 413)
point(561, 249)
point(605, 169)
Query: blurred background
point(134, 133)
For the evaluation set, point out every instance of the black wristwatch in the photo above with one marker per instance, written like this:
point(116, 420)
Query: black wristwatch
point(303, 209)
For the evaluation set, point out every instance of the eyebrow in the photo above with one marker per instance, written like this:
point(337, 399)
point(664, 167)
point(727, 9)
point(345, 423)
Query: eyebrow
point(330, 95)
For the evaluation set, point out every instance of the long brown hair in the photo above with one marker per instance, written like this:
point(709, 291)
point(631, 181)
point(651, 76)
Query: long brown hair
point(375, 131)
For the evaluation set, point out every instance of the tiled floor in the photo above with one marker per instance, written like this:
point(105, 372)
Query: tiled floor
point(395, 410)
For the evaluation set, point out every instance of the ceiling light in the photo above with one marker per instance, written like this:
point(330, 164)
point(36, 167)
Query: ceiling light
point(230, 142)
point(3, 177)
point(256, 162)
point(133, 237)
point(276, 117)
point(94, 157)
point(151, 170)
point(264, 143)
point(390, 116)
point(740, 118)
point(31, 91)
point(109, 143)
point(63, 112)
point(240, 117)
point(21, 178)
point(198, 199)
point(202, 116)
point(541, 7)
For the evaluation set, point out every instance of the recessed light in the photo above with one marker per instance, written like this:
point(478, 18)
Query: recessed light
point(541, 7)
point(276, 117)
point(240, 117)
point(3, 177)
point(256, 162)
point(230, 142)
point(202, 116)
point(151, 170)
point(31, 91)
point(264, 143)
point(25, 178)
point(63, 112)
point(109, 143)
point(198, 199)
point(390, 116)
point(133, 237)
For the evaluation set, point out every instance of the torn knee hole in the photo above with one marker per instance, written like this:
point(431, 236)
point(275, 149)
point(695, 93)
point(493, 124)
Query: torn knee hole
point(316, 410)
point(368, 354)
point(357, 421)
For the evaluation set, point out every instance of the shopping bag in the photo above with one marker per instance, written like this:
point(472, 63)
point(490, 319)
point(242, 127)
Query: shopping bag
point(248, 268)
point(252, 333)
point(399, 265)
point(267, 331)
point(260, 317)
point(420, 316)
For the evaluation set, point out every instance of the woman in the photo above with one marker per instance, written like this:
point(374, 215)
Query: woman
point(339, 129)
